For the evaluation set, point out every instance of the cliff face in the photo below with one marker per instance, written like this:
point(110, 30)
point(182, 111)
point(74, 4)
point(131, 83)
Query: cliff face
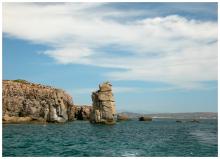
point(24, 101)
point(103, 105)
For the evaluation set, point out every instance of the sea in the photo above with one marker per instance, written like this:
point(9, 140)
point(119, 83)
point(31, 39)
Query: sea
point(160, 137)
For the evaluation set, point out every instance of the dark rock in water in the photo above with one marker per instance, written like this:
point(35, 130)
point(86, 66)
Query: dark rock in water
point(103, 110)
point(122, 117)
point(194, 121)
point(145, 118)
point(178, 121)
point(83, 112)
point(25, 101)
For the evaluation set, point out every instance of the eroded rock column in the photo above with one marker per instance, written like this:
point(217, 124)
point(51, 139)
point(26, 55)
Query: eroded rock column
point(103, 105)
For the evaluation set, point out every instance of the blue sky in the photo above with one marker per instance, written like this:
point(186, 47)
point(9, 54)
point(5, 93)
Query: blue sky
point(160, 57)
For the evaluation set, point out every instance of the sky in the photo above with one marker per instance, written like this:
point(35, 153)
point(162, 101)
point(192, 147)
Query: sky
point(159, 57)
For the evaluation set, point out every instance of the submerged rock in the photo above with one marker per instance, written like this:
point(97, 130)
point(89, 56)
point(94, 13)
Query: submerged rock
point(25, 101)
point(194, 121)
point(178, 121)
point(145, 118)
point(103, 110)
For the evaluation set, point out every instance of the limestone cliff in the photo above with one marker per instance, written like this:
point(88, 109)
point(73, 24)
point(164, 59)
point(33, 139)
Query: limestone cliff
point(103, 105)
point(25, 101)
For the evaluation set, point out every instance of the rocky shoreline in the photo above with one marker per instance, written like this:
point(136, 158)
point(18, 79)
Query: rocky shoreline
point(24, 101)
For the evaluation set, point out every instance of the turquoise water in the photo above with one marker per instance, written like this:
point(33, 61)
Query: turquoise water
point(129, 138)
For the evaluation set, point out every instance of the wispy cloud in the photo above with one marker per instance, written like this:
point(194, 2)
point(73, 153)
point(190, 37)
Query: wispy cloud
point(115, 90)
point(170, 49)
point(127, 90)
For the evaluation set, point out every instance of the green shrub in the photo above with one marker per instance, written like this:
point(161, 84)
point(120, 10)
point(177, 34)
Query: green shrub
point(20, 81)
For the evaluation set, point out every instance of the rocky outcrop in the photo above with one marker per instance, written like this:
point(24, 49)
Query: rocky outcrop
point(14, 119)
point(178, 121)
point(122, 117)
point(71, 112)
point(25, 101)
point(83, 112)
point(145, 118)
point(194, 121)
point(103, 105)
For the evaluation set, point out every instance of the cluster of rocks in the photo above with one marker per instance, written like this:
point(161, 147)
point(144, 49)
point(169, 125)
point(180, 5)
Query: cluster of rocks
point(185, 120)
point(25, 101)
point(103, 105)
point(82, 112)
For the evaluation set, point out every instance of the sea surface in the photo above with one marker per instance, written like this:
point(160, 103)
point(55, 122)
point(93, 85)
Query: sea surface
point(128, 138)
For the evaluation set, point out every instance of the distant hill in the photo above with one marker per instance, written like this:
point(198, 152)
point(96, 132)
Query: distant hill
point(194, 115)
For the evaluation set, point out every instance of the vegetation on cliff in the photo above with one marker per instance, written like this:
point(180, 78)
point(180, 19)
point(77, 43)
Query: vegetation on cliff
point(38, 102)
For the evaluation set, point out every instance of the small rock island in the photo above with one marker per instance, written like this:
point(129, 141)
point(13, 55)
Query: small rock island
point(103, 105)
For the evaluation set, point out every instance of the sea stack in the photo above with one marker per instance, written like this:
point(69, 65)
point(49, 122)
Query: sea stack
point(103, 110)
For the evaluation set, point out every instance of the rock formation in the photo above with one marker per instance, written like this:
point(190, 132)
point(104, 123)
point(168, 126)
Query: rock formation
point(71, 111)
point(83, 112)
point(25, 101)
point(178, 121)
point(103, 105)
point(122, 117)
point(194, 121)
point(145, 118)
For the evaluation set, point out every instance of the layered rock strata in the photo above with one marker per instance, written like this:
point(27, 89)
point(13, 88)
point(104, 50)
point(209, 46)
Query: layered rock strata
point(103, 110)
point(24, 101)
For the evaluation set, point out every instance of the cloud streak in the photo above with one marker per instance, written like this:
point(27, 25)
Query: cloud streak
point(170, 49)
point(116, 90)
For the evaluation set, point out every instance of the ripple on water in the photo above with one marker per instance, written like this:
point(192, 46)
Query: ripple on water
point(130, 138)
point(206, 137)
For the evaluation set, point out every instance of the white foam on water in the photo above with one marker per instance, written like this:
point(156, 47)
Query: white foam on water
point(129, 154)
point(205, 137)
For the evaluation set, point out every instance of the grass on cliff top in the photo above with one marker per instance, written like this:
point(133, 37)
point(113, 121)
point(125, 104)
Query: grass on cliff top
point(27, 82)
point(20, 81)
